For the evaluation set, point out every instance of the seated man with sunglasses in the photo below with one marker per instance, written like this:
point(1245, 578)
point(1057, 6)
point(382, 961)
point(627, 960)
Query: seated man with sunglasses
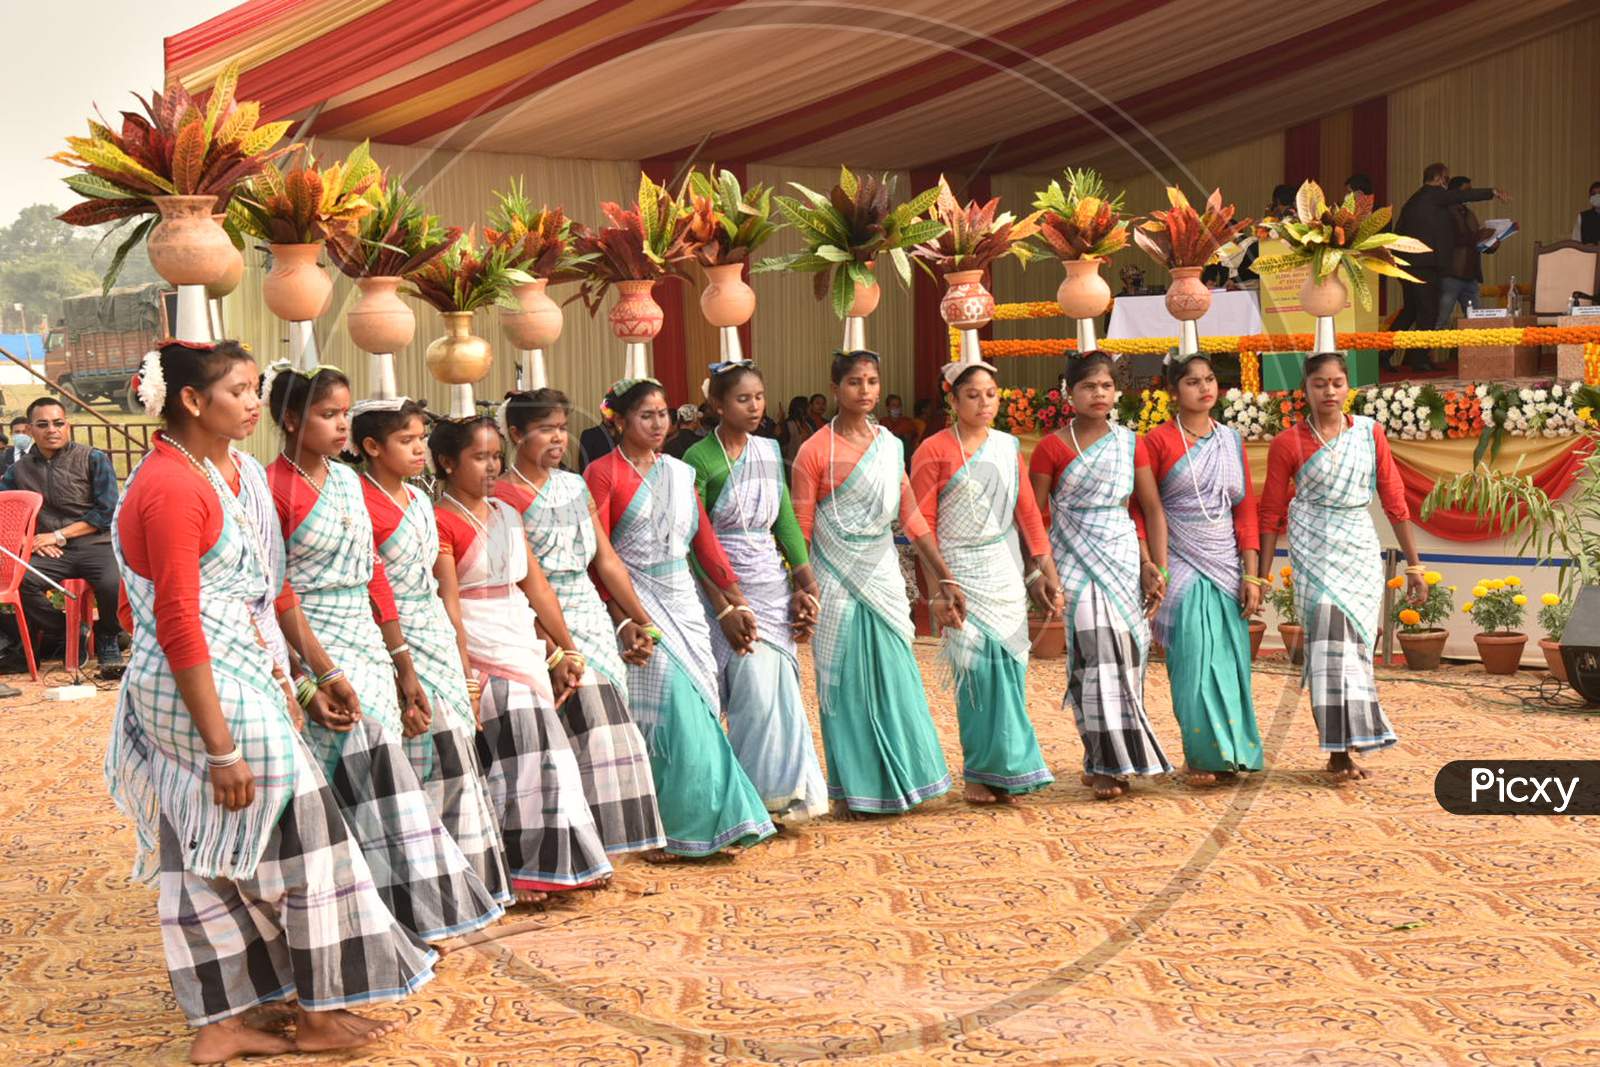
point(73, 538)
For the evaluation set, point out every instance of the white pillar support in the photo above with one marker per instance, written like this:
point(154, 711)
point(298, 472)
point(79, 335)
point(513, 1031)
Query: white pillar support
point(1088, 339)
point(731, 349)
point(533, 374)
point(461, 402)
point(855, 334)
point(303, 346)
point(1188, 338)
point(1324, 339)
point(636, 359)
point(193, 324)
point(381, 373)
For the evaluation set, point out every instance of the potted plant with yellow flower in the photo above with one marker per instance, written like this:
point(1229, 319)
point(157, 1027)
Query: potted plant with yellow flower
point(1554, 611)
point(1281, 597)
point(1497, 607)
point(1420, 627)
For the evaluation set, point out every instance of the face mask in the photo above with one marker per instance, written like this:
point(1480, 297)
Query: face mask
point(894, 412)
point(22, 441)
point(1594, 201)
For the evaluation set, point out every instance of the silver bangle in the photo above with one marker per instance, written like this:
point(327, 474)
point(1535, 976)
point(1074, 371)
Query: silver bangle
point(747, 609)
point(727, 609)
point(399, 650)
point(1031, 577)
point(227, 759)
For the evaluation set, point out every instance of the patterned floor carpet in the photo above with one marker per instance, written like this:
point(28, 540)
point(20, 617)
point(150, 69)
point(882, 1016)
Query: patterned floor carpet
point(1287, 921)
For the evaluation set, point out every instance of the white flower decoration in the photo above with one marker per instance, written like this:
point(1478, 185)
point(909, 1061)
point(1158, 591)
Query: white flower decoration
point(152, 384)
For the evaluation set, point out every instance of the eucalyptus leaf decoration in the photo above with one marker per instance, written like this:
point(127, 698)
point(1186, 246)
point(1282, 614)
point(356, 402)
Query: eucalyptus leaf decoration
point(1349, 237)
point(849, 228)
point(649, 241)
point(1183, 237)
point(729, 222)
point(1081, 219)
point(173, 149)
point(395, 239)
point(976, 236)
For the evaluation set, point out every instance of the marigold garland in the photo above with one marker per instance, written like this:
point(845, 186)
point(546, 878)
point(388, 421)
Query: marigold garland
point(1250, 371)
point(1591, 364)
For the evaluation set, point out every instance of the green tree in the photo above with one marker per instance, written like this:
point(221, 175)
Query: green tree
point(43, 260)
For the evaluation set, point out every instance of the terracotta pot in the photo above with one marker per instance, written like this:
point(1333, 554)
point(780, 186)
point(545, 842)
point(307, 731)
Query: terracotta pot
point(1294, 641)
point(1258, 630)
point(1501, 653)
point(230, 278)
point(537, 321)
point(1187, 297)
point(636, 316)
point(1083, 293)
point(967, 305)
point(1049, 637)
point(866, 299)
point(380, 321)
point(459, 357)
point(727, 300)
point(1325, 298)
point(296, 289)
point(188, 247)
point(1423, 650)
point(1553, 660)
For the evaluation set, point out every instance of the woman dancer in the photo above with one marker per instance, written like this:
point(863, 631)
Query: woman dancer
point(740, 479)
point(390, 437)
point(262, 892)
point(1113, 578)
point(648, 507)
point(849, 484)
point(559, 520)
point(1212, 539)
point(499, 600)
point(1335, 461)
point(332, 567)
point(968, 480)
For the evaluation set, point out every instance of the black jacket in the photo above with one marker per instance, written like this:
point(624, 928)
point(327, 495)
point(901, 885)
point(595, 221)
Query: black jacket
point(592, 444)
point(1426, 216)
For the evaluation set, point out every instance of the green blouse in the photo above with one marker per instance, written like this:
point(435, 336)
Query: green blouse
point(711, 474)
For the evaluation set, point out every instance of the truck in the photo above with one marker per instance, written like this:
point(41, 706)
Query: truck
point(96, 346)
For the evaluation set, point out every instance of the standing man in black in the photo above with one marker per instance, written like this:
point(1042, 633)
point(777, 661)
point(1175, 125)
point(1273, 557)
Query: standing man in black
point(1587, 226)
point(73, 534)
point(1427, 217)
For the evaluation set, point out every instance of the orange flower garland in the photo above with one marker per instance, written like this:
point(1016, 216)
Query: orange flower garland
point(1591, 364)
point(1250, 371)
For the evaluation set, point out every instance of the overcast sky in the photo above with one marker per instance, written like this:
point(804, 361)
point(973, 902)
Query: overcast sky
point(61, 58)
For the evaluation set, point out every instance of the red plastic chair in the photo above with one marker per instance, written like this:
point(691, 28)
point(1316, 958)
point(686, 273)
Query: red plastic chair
point(19, 511)
point(79, 612)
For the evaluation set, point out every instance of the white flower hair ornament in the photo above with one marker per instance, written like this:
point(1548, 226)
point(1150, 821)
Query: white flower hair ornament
point(500, 418)
point(152, 390)
point(270, 375)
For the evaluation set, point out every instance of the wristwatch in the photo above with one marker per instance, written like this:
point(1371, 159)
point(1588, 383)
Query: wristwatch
point(61, 539)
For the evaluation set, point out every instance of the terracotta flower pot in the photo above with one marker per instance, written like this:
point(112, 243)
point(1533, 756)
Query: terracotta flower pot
point(1294, 641)
point(380, 321)
point(1324, 298)
point(1501, 653)
point(1187, 297)
point(537, 321)
point(188, 247)
point(636, 316)
point(229, 280)
point(1258, 630)
point(297, 289)
point(1553, 660)
point(1048, 636)
point(459, 357)
point(1423, 649)
point(967, 305)
point(866, 299)
point(1083, 293)
point(727, 300)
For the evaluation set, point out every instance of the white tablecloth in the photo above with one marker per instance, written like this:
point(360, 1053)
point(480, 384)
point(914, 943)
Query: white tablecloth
point(1231, 314)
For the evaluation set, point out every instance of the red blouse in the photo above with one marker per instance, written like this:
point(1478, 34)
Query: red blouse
point(294, 499)
point(1165, 446)
point(1053, 455)
point(811, 481)
point(456, 534)
point(1289, 451)
point(936, 461)
point(612, 483)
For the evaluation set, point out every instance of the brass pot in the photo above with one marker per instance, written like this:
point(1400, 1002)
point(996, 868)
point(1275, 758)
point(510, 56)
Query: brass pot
point(459, 357)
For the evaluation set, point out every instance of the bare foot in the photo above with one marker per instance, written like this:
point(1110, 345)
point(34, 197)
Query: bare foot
point(323, 1031)
point(1001, 796)
point(977, 793)
point(1104, 785)
point(273, 1018)
point(230, 1038)
point(1228, 777)
point(842, 810)
point(1345, 768)
point(529, 896)
point(1199, 777)
point(659, 855)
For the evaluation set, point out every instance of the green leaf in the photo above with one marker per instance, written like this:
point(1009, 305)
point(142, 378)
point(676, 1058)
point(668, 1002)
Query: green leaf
point(817, 199)
point(843, 291)
point(902, 264)
point(94, 187)
point(848, 183)
point(136, 238)
point(833, 254)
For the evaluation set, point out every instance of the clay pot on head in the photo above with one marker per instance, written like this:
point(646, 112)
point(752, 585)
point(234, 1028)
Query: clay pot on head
point(1423, 650)
point(1083, 293)
point(727, 300)
point(1258, 630)
point(1187, 297)
point(636, 316)
point(1554, 660)
point(188, 247)
point(1501, 653)
point(459, 357)
point(1294, 641)
point(537, 321)
point(967, 305)
point(380, 321)
point(230, 278)
point(866, 299)
point(297, 289)
point(1324, 298)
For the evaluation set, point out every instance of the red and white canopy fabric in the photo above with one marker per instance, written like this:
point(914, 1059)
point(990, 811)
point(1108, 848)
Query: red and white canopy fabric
point(1004, 85)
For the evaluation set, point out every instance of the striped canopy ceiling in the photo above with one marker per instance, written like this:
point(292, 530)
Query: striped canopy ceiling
point(997, 86)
